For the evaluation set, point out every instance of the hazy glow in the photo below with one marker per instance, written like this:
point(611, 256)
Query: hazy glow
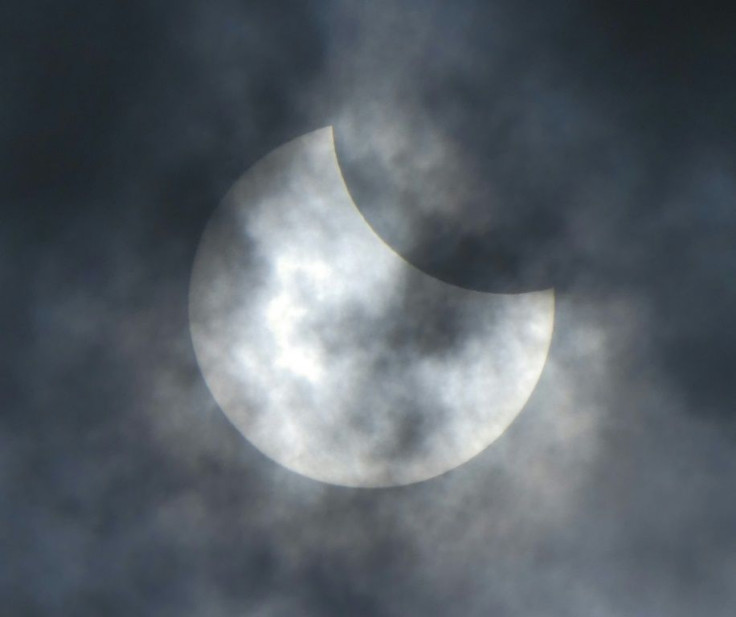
point(335, 357)
point(285, 316)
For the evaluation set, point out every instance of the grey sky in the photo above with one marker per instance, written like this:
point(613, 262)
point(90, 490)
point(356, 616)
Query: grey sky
point(598, 135)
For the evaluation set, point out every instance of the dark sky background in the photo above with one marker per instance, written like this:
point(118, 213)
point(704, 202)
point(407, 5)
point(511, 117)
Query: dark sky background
point(588, 146)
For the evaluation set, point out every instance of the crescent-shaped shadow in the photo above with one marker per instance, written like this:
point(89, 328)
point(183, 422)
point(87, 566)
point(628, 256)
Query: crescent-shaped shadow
point(512, 249)
point(333, 355)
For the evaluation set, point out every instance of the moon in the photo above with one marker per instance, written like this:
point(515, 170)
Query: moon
point(335, 357)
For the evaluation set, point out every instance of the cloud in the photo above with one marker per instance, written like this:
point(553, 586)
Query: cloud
point(599, 136)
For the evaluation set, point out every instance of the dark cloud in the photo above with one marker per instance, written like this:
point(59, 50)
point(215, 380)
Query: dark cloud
point(587, 146)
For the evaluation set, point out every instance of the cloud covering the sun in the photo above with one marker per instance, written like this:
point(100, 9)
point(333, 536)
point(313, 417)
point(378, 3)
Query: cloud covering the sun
point(501, 146)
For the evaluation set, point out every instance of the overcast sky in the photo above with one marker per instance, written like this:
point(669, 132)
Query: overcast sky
point(501, 146)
